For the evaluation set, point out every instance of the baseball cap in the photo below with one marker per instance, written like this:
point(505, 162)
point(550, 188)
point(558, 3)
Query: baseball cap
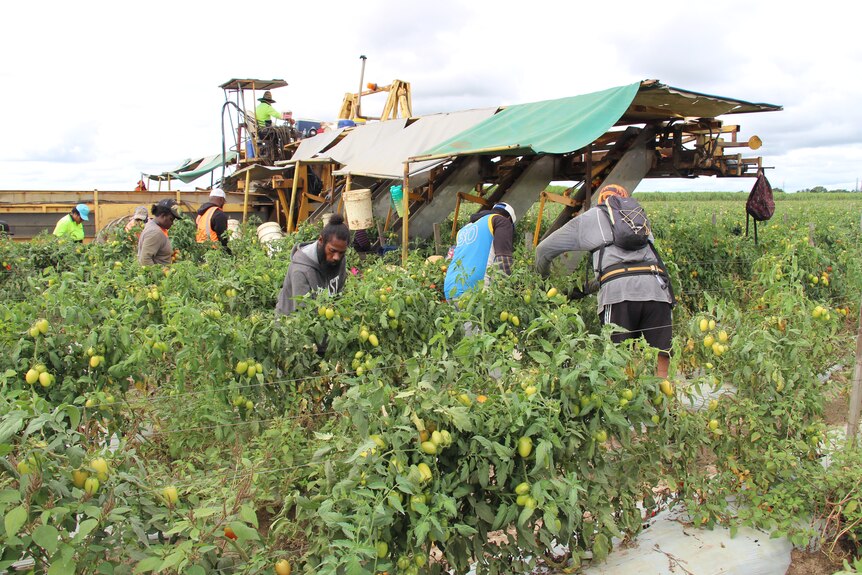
point(507, 208)
point(83, 211)
point(170, 205)
point(217, 193)
point(140, 213)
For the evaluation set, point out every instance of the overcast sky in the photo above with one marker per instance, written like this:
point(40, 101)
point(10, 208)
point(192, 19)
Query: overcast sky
point(94, 93)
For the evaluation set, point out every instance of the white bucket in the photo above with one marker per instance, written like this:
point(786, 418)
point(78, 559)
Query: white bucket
point(268, 232)
point(357, 204)
point(233, 228)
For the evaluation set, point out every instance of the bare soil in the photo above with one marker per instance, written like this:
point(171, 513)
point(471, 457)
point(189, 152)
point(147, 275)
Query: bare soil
point(837, 406)
point(811, 563)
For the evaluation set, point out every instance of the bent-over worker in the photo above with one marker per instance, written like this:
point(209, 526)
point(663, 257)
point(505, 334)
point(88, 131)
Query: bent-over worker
point(154, 245)
point(640, 302)
point(487, 241)
point(71, 225)
point(316, 266)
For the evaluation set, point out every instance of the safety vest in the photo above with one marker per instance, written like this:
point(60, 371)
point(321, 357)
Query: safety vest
point(205, 229)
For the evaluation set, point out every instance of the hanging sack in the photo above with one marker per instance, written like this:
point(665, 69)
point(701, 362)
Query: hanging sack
point(760, 205)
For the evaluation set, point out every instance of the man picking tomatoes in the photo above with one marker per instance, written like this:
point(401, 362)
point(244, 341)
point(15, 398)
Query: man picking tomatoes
point(315, 266)
point(486, 242)
point(634, 288)
point(211, 220)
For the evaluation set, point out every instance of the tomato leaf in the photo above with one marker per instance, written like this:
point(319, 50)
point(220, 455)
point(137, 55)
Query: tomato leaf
point(84, 529)
point(12, 423)
point(47, 537)
point(244, 532)
point(14, 520)
point(248, 515)
point(600, 547)
point(148, 564)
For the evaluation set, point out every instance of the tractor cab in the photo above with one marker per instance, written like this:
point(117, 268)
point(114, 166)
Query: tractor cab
point(262, 129)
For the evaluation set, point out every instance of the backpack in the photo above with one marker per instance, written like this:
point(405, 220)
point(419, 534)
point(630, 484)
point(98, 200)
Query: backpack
point(760, 205)
point(631, 231)
point(629, 223)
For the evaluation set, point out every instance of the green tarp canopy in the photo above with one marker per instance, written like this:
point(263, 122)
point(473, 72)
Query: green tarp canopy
point(549, 127)
point(193, 169)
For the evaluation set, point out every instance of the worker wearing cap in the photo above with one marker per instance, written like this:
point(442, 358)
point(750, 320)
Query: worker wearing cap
point(211, 220)
point(640, 303)
point(139, 218)
point(71, 225)
point(265, 113)
point(486, 242)
point(154, 245)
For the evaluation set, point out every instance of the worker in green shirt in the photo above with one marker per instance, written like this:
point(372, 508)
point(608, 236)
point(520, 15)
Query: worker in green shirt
point(264, 112)
point(71, 225)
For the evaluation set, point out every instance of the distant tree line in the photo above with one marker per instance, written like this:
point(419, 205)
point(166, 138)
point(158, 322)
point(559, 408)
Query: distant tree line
point(823, 190)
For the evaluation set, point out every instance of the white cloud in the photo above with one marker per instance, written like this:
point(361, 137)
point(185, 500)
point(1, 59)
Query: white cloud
point(97, 92)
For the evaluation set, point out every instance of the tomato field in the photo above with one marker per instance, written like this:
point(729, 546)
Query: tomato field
point(163, 420)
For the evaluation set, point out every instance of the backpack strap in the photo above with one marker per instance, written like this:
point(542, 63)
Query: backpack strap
point(658, 268)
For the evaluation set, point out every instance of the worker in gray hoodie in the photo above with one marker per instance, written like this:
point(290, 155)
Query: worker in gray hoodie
point(634, 291)
point(317, 265)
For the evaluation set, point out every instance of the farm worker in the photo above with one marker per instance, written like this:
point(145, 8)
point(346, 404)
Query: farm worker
point(486, 242)
point(265, 113)
point(71, 225)
point(316, 266)
point(154, 246)
point(640, 302)
point(211, 220)
point(138, 219)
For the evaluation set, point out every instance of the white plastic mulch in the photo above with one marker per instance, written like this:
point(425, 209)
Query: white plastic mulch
point(669, 547)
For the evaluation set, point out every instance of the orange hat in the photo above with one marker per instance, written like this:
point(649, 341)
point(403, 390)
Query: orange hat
point(611, 190)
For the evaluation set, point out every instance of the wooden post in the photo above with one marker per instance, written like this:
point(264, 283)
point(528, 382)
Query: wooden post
point(96, 220)
point(455, 216)
point(245, 196)
point(856, 392)
point(542, 197)
point(713, 219)
point(293, 198)
point(811, 234)
point(437, 242)
point(405, 218)
point(381, 234)
point(528, 241)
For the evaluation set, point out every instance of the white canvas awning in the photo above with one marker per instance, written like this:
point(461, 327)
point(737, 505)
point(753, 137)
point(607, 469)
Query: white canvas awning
point(386, 156)
point(363, 139)
point(310, 147)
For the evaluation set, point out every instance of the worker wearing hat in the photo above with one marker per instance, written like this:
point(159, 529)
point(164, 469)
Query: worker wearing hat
point(211, 220)
point(71, 225)
point(265, 113)
point(139, 218)
point(154, 245)
point(486, 243)
point(638, 296)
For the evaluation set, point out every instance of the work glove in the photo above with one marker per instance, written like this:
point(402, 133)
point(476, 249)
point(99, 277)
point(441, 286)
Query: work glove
point(576, 294)
point(321, 347)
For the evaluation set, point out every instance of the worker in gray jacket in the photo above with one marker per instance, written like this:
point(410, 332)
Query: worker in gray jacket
point(154, 245)
point(634, 289)
point(317, 265)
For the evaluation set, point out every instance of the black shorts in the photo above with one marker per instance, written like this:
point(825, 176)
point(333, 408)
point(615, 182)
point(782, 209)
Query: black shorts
point(651, 319)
